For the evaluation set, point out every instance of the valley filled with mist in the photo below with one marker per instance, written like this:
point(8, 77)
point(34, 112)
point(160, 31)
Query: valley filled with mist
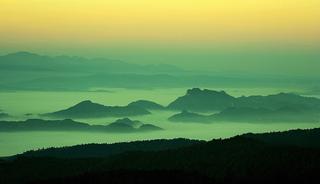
point(23, 105)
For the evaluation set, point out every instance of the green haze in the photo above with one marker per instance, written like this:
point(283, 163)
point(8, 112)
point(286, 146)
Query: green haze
point(35, 102)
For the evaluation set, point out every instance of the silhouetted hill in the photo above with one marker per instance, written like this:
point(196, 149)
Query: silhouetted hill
point(253, 115)
point(239, 159)
point(26, 61)
point(104, 150)
point(149, 105)
point(307, 138)
point(210, 100)
point(29, 71)
point(88, 109)
point(127, 122)
point(149, 127)
point(202, 100)
point(285, 107)
point(186, 116)
point(38, 125)
point(284, 114)
point(303, 138)
point(280, 100)
point(123, 125)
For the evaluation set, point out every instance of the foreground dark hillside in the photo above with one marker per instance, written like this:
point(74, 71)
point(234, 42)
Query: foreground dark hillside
point(241, 159)
point(302, 138)
point(104, 150)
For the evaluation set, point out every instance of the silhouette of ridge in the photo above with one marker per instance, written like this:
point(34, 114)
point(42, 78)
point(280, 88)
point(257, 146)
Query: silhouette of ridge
point(122, 125)
point(88, 109)
point(209, 100)
point(146, 104)
point(249, 158)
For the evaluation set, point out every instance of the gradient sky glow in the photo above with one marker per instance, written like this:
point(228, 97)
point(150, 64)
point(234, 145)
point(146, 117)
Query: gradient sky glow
point(165, 20)
point(139, 30)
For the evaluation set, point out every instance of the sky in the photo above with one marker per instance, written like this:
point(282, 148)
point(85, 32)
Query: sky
point(181, 32)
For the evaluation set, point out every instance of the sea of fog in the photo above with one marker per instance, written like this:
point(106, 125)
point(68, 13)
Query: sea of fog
point(19, 103)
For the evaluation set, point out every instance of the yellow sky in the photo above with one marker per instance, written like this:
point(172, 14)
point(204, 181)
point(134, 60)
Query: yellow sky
point(176, 21)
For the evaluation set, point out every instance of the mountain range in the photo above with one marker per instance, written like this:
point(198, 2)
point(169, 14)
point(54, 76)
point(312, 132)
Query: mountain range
point(26, 61)
point(119, 126)
point(250, 115)
point(30, 71)
point(282, 107)
point(210, 100)
point(89, 109)
point(217, 105)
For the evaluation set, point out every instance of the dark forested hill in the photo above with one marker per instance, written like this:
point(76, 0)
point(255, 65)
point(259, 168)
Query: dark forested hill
point(240, 159)
point(303, 138)
point(104, 150)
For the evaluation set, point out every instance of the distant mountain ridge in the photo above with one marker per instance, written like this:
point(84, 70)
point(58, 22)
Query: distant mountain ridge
point(282, 107)
point(30, 61)
point(89, 109)
point(126, 123)
point(186, 116)
point(29, 71)
point(210, 100)
point(122, 125)
point(250, 115)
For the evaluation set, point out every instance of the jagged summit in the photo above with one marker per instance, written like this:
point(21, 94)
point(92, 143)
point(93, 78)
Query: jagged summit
point(198, 91)
point(203, 100)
